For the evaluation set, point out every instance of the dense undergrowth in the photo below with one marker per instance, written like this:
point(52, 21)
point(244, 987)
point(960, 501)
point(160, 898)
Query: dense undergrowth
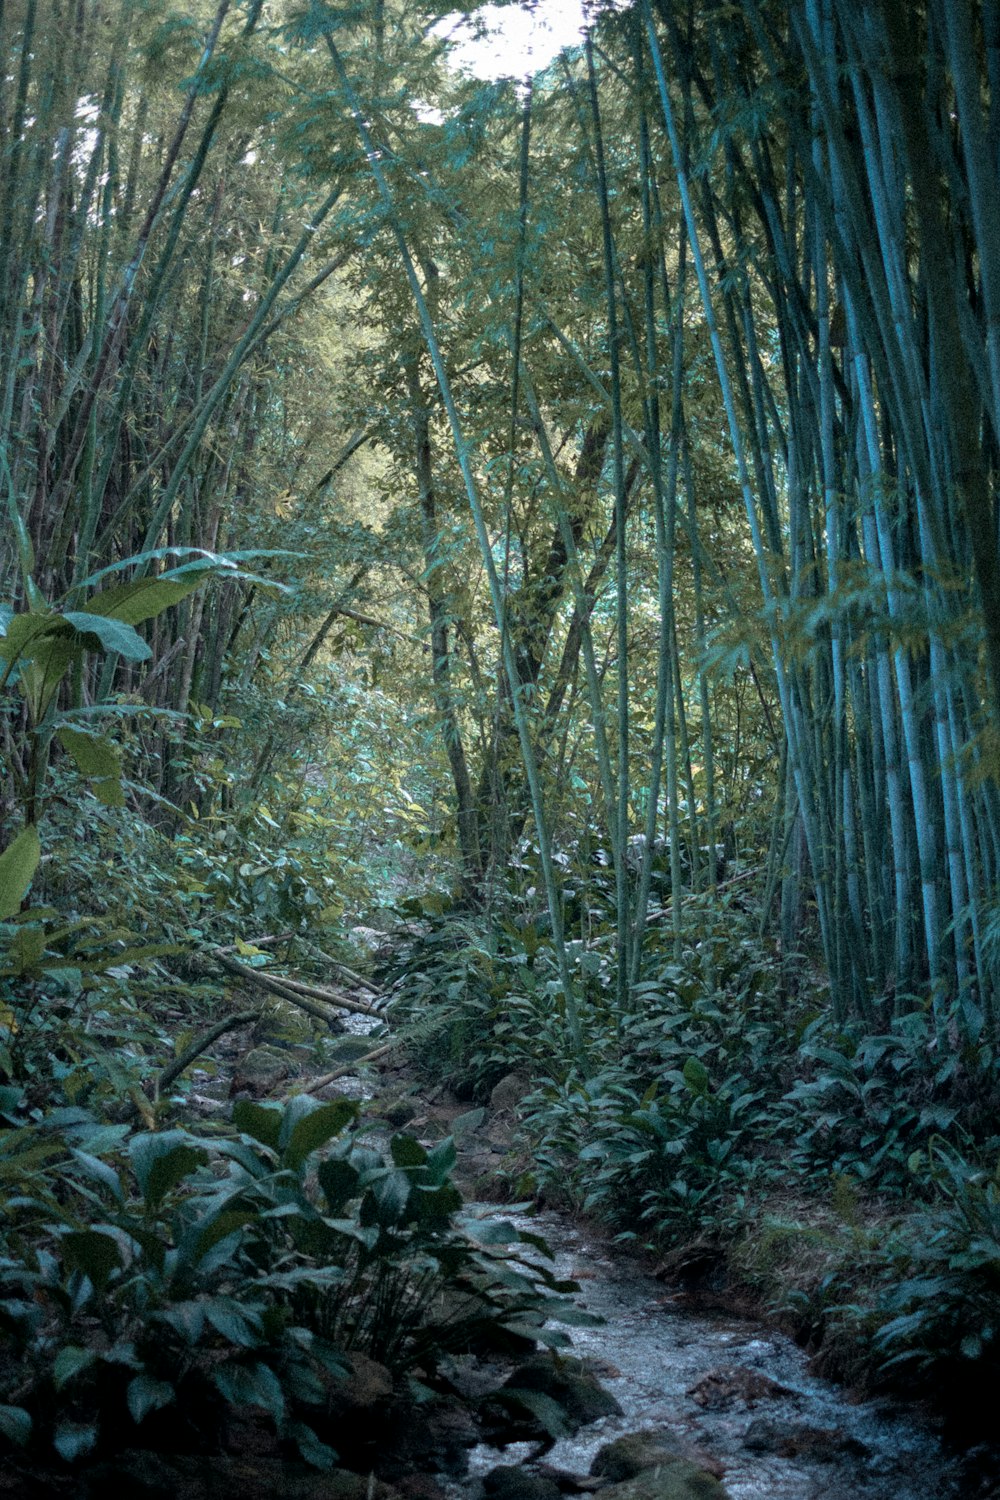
point(153, 1281)
point(848, 1180)
point(158, 1275)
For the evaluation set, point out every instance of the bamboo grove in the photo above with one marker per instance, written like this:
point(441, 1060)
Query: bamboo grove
point(682, 367)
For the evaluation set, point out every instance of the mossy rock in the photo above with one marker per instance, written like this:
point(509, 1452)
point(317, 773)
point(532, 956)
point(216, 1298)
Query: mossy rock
point(261, 1070)
point(284, 1026)
point(544, 1399)
point(674, 1479)
point(511, 1482)
point(569, 1383)
point(630, 1455)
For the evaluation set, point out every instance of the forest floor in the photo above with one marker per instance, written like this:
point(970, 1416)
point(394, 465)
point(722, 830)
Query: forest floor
point(687, 1347)
point(679, 1382)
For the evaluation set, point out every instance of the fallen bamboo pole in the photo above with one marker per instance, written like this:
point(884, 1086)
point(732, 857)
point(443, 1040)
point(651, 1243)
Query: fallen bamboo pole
point(294, 990)
point(345, 1068)
point(198, 1046)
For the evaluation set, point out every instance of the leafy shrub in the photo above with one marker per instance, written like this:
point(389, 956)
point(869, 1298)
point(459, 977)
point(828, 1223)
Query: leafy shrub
point(148, 1272)
point(473, 1008)
point(865, 1103)
point(946, 1307)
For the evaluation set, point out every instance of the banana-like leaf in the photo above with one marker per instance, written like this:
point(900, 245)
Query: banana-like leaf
point(18, 863)
point(112, 635)
point(96, 758)
point(143, 598)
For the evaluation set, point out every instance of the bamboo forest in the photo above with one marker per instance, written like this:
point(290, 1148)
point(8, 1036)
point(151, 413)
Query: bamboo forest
point(499, 749)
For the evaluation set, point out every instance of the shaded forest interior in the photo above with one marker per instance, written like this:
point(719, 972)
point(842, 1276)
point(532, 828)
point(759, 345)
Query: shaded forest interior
point(548, 528)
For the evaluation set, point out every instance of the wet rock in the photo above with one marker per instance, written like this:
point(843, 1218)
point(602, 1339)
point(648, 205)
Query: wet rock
point(260, 1071)
point(367, 937)
point(543, 1395)
point(511, 1482)
point(205, 1106)
point(244, 1435)
point(717, 1390)
point(637, 1451)
point(354, 1399)
point(155, 1476)
point(509, 1092)
point(569, 1483)
point(629, 1455)
point(400, 1112)
point(450, 1431)
point(369, 1382)
point(420, 1487)
point(500, 1136)
point(284, 1026)
point(400, 1439)
point(798, 1440)
point(675, 1479)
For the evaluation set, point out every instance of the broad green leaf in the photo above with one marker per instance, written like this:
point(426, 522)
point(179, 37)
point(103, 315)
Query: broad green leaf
point(73, 1439)
point(262, 1122)
point(26, 949)
point(160, 1161)
point(199, 559)
point(93, 754)
point(24, 632)
point(26, 551)
point(186, 1318)
point(238, 1324)
point(338, 1181)
point(406, 1152)
point(111, 635)
point(99, 1171)
point(434, 1206)
point(94, 1253)
point(390, 1196)
point(18, 863)
point(69, 1362)
point(251, 1385)
point(145, 1394)
point(318, 1127)
point(696, 1075)
point(15, 1424)
point(96, 758)
point(144, 598)
point(537, 1242)
point(313, 1451)
point(441, 1160)
point(491, 1231)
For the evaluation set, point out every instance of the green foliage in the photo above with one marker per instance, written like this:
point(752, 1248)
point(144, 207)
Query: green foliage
point(945, 1306)
point(706, 1103)
point(171, 1272)
point(18, 863)
point(40, 647)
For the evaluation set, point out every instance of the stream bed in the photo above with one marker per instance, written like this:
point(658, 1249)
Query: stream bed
point(810, 1439)
point(725, 1389)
